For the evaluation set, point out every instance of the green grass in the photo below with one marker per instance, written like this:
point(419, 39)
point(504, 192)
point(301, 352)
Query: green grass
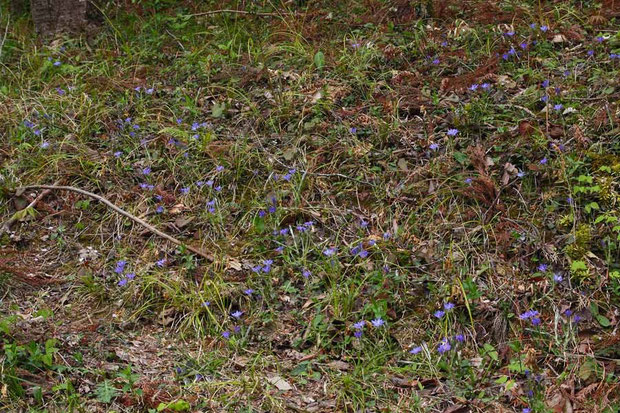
point(338, 116)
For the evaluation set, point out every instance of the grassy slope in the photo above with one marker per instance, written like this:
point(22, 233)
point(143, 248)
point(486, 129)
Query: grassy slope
point(244, 129)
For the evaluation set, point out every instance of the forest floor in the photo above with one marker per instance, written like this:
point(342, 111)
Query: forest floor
point(406, 207)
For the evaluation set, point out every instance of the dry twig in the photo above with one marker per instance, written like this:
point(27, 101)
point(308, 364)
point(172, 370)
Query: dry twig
point(110, 205)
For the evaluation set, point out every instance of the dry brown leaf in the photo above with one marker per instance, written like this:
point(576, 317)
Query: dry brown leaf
point(177, 209)
point(339, 365)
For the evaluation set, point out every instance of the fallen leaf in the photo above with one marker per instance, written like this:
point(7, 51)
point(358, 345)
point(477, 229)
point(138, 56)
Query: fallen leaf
point(558, 38)
point(339, 365)
point(402, 164)
point(177, 209)
point(280, 383)
point(180, 222)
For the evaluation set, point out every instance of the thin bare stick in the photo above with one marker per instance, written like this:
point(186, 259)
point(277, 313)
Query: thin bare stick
point(110, 205)
point(244, 12)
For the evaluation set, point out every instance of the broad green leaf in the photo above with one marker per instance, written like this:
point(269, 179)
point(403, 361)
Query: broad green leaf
point(319, 60)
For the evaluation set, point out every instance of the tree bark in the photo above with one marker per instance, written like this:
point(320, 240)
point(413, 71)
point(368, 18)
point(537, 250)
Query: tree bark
point(54, 16)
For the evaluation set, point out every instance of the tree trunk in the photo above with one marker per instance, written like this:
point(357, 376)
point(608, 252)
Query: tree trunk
point(54, 16)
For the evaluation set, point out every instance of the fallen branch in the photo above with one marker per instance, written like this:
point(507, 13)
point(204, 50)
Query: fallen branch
point(244, 12)
point(110, 205)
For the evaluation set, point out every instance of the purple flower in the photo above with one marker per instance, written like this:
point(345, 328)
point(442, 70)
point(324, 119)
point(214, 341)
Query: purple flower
point(433, 146)
point(226, 334)
point(568, 312)
point(130, 275)
point(520, 174)
point(60, 91)
point(306, 273)
point(185, 190)
point(353, 130)
point(452, 132)
point(415, 350)
point(510, 34)
point(358, 333)
point(149, 91)
point(146, 171)
point(600, 39)
point(249, 291)
point(544, 28)
point(577, 318)
point(206, 303)
point(37, 132)
point(118, 154)
point(284, 231)
point(237, 329)
point(44, 145)
point(161, 263)
point(439, 313)
point(363, 253)
point(57, 63)
point(535, 321)
point(444, 346)
point(474, 87)
point(523, 45)
point(485, 86)
point(557, 277)
point(558, 107)
point(543, 161)
point(542, 267)
point(526, 410)
point(460, 338)
point(122, 282)
point(279, 249)
point(436, 61)
point(377, 322)
point(533, 25)
point(590, 53)
point(262, 213)
point(219, 168)
point(120, 266)
point(328, 252)
point(468, 181)
point(528, 314)
point(545, 83)
point(387, 235)
point(237, 314)
point(359, 325)
point(267, 266)
point(448, 306)
point(257, 268)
